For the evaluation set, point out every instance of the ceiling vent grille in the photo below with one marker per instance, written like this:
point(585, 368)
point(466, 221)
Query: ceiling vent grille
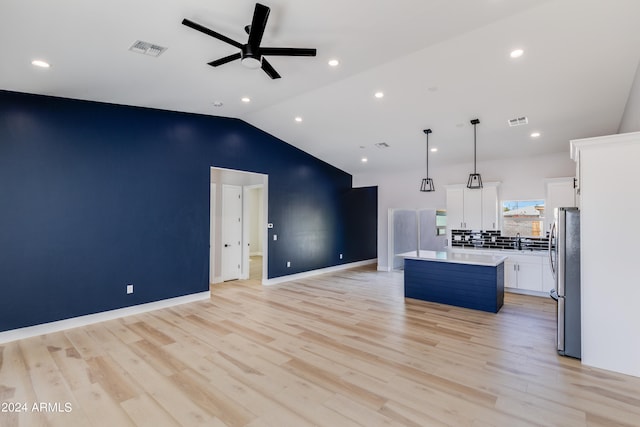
point(147, 48)
point(518, 121)
point(382, 145)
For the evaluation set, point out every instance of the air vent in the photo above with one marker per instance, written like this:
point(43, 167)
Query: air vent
point(518, 121)
point(382, 145)
point(147, 48)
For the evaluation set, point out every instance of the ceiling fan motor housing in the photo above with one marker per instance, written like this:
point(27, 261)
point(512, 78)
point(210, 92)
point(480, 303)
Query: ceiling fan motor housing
point(250, 59)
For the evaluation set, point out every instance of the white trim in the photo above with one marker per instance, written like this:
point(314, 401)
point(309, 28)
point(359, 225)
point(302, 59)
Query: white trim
point(527, 292)
point(384, 268)
point(61, 325)
point(306, 274)
point(575, 145)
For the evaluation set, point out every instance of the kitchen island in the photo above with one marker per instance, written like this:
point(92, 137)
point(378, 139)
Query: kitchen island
point(465, 280)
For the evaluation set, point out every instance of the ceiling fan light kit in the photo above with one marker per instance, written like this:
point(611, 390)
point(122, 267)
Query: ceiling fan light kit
point(427, 183)
point(475, 180)
point(251, 54)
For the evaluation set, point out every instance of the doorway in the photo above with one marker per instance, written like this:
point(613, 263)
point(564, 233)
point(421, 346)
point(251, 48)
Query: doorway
point(238, 225)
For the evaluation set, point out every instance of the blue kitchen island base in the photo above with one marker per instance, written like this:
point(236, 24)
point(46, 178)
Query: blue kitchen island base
point(479, 287)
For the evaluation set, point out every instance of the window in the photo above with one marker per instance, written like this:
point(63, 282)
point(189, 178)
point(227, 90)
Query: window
point(441, 223)
point(523, 216)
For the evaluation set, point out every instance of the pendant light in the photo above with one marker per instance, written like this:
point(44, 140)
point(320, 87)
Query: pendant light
point(427, 183)
point(475, 180)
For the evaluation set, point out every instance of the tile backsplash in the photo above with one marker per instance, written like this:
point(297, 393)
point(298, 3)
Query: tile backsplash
point(492, 239)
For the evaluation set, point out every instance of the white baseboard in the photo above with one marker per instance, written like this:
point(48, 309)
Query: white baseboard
point(61, 325)
point(384, 268)
point(527, 292)
point(304, 275)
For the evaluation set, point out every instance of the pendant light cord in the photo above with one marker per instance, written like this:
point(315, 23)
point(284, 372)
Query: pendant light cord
point(427, 155)
point(474, 148)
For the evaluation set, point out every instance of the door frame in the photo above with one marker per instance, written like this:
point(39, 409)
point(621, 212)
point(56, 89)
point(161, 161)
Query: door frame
point(246, 180)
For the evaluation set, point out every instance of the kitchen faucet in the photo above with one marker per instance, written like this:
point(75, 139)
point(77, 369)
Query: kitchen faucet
point(518, 242)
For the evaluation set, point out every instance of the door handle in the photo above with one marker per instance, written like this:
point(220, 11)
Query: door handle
point(226, 245)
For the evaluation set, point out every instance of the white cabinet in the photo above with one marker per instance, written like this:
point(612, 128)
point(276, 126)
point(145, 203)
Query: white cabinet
point(490, 210)
point(548, 282)
point(472, 209)
point(523, 272)
point(455, 208)
point(464, 208)
point(560, 192)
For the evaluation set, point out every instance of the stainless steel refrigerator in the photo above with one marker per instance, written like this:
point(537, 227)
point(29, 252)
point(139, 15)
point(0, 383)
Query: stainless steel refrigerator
point(564, 251)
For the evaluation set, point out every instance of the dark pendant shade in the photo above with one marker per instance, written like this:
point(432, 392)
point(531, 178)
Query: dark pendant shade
point(427, 183)
point(475, 180)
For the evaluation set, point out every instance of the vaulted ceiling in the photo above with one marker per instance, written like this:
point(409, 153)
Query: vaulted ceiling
point(439, 63)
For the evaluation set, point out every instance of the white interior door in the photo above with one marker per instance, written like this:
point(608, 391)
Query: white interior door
point(231, 232)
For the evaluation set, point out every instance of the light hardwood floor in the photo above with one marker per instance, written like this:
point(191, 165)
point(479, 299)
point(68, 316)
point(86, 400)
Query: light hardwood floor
point(341, 349)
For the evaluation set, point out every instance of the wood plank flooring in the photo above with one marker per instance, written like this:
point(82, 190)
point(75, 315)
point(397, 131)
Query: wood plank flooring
point(341, 349)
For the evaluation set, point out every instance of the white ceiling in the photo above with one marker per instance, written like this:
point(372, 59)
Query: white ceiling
point(440, 63)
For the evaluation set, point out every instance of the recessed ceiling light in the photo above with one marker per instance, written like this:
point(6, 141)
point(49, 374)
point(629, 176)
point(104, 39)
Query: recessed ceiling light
point(334, 62)
point(298, 119)
point(40, 63)
point(516, 53)
point(364, 160)
point(535, 134)
point(434, 149)
point(246, 99)
point(379, 95)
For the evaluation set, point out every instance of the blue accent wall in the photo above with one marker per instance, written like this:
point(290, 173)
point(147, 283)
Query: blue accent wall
point(94, 196)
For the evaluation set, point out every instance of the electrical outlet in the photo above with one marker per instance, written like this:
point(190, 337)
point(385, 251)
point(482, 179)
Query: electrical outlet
point(288, 264)
point(275, 237)
point(129, 289)
point(340, 256)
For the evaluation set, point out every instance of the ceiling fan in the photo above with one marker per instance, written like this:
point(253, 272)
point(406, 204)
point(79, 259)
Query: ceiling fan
point(251, 54)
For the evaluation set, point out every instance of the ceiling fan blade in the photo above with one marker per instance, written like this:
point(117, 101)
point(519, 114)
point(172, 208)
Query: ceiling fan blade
point(271, 72)
point(287, 51)
point(211, 33)
point(258, 24)
point(224, 60)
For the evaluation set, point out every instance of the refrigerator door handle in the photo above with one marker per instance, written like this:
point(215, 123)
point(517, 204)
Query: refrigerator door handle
point(552, 259)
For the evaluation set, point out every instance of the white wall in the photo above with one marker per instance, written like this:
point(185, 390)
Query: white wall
point(610, 290)
point(631, 117)
point(520, 179)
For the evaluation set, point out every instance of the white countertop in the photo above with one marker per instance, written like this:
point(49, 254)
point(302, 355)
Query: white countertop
point(458, 258)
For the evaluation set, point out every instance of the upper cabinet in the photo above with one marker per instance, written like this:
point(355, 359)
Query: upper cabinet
point(490, 211)
point(469, 209)
point(560, 192)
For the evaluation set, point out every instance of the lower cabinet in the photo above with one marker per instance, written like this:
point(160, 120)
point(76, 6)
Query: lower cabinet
point(523, 272)
point(527, 271)
point(548, 281)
